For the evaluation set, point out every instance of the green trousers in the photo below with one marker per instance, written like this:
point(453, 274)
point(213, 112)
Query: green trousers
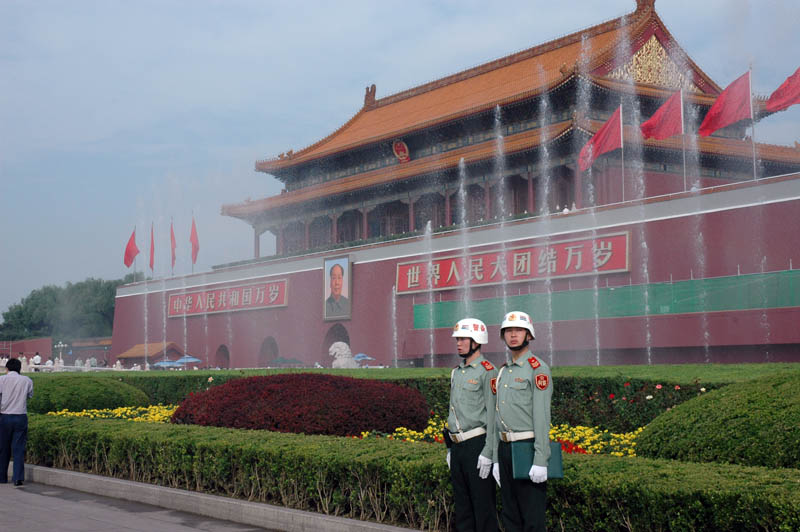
point(524, 502)
point(475, 498)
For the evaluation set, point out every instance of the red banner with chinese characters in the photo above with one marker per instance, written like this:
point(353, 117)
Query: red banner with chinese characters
point(267, 294)
point(567, 258)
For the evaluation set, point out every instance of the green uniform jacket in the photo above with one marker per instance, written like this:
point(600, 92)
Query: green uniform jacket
point(524, 390)
point(472, 400)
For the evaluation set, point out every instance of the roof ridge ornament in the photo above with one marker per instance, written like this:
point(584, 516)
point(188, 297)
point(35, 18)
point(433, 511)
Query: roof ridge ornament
point(369, 97)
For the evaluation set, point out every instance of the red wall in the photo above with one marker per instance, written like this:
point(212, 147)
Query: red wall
point(733, 241)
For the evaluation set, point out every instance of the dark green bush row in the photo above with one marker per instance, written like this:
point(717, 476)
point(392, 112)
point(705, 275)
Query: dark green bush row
point(408, 484)
point(750, 423)
point(576, 400)
point(82, 392)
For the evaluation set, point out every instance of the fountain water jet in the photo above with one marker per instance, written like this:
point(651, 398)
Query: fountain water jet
point(462, 205)
point(499, 178)
point(632, 161)
point(544, 211)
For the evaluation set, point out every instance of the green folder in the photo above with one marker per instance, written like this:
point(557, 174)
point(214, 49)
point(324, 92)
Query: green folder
point(522, 460)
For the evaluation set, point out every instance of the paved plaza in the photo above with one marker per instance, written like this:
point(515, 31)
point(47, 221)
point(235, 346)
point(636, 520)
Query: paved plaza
point(55, 500)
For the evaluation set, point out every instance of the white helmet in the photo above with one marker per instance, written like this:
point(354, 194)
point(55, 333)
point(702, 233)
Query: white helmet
point(471, 328)
point(516, 318)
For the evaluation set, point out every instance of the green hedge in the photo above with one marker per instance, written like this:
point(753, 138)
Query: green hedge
point(577, 400)
point(82, 392)
point(750, 423)
point(408, 484)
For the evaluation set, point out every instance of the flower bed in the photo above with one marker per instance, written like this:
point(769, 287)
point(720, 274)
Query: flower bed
point(582, 440)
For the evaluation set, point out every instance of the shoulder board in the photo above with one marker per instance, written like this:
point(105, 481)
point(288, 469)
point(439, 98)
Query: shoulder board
point(487, 365)
point(504, 364)
point(534, 362)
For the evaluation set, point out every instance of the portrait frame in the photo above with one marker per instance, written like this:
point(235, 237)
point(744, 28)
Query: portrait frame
point(334, 309)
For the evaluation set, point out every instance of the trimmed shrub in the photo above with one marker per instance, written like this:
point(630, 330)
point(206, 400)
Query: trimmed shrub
point(616, 403)
point(307, 403)
point(81, 392)
point(753, 423)
point(408, 484)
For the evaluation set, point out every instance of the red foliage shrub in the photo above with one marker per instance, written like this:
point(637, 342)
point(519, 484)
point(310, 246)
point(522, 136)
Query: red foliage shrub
point(306, 403)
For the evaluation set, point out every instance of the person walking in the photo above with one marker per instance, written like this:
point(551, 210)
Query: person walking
point(469, 426)
point(524, 391)
point(15, 390)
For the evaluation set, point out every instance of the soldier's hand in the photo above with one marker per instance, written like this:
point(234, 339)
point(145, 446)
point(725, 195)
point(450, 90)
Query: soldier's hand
point(496, 473)
point(448, 459)
point(538, 474)
point(484, 466)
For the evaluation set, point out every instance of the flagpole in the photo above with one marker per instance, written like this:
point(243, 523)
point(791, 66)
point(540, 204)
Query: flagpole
point(753, 121)
point(683, 141)
point(171, 251)
point(190, 249)
point(622, 145)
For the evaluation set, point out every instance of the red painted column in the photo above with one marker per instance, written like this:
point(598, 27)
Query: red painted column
point(410, 215)
point(447, 219)
point(335, 229)
point(531, 201)
point(279, 241)
point(256, 243)
point(364, 225)
point(487, 201)
point(578, 184)
point(306, 239)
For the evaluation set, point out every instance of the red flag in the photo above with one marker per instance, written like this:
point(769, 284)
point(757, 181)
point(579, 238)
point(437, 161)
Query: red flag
point(667, 121)
point(608, 138)
point(172, 243)
point(786, 95)
point(195, 242)
point(131, 250)
point(732, 105)
point(152, 248)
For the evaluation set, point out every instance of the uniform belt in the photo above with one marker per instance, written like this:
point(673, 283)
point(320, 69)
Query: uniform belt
point(459, 437)
point(516, 436)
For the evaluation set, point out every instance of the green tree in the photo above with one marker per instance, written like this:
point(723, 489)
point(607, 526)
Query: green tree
point(76, 310)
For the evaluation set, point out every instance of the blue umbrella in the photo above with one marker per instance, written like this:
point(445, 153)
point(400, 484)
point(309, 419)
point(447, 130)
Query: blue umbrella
point(168, 364)
point(188, 359)
point(362, 356)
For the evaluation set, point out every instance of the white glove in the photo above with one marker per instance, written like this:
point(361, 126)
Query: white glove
point(448, 459)
point(496, 473)
point(484, 466)
point(538, 474)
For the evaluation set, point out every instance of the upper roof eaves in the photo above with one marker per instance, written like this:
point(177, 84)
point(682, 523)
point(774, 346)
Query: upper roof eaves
point(482, 87)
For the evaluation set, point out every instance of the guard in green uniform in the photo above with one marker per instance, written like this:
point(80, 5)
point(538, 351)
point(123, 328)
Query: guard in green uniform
point(524, 390)
point(471, 416)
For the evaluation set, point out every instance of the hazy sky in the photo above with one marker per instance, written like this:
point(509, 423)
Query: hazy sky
point(115, 114)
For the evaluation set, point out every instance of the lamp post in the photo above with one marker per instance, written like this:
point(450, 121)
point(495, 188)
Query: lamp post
point(60, 346)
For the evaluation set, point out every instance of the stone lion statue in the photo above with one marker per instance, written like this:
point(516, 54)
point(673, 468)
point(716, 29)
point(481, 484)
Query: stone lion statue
point(342, 356)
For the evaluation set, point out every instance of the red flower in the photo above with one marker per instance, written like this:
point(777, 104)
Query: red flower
point(677, 387)
point(658, 386)
point(570, 448)
point(627, 384)
point(611, 396)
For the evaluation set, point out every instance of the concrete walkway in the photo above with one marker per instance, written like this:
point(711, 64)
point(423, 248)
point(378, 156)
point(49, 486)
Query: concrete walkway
point(55, 500)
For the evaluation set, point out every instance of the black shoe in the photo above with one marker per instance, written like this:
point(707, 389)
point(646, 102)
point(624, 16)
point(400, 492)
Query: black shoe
point(18, 483)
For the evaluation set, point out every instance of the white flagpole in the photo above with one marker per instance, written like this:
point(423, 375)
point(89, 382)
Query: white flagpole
point(752, 120)
point(622, 145)
point(683, 141)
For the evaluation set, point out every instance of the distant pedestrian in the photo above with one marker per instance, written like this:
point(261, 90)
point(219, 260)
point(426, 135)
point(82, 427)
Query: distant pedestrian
point(15, 390)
